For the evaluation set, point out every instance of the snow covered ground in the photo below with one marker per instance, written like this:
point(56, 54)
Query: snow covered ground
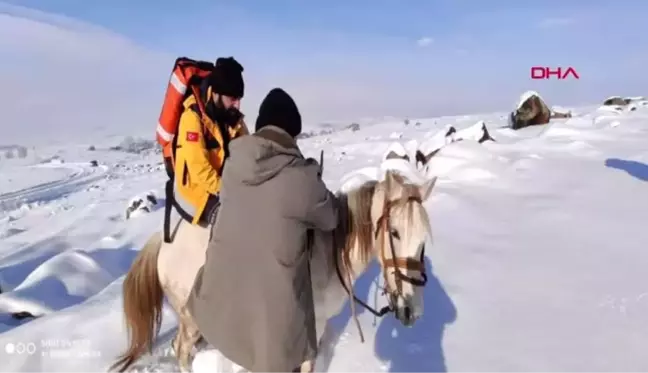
point(538, 260)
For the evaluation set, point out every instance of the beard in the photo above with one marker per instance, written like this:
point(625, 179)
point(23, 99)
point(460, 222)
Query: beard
point(228, 117)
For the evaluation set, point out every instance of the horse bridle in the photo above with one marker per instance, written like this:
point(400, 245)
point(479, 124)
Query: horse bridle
point(410, 264)
point(395, 262)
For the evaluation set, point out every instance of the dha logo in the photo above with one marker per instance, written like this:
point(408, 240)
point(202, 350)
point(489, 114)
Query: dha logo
point(540, 72)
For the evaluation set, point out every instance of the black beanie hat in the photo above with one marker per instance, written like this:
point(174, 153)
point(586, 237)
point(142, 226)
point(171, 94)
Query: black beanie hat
point(227, 78)
point(279, 109)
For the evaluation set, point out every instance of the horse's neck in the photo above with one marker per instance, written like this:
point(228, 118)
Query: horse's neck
point(331, 294)
point(332, 297)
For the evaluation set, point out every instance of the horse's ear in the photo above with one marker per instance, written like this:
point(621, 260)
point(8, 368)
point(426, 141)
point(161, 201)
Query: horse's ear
point(426, 188)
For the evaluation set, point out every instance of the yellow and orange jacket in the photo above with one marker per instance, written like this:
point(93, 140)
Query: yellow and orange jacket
point(199, 160)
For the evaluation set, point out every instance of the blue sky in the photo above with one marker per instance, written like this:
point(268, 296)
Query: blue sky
point(349, 59)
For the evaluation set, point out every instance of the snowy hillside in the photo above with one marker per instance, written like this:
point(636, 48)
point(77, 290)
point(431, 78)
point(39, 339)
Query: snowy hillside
point(123, 97)
point(538, 260)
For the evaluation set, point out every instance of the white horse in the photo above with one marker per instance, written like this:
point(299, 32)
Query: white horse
point(384, 220)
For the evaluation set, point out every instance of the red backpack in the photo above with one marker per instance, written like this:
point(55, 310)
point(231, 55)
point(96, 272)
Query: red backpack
point(185, 79)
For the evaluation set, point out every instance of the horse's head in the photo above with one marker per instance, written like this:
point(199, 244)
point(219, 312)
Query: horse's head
point(401, 227)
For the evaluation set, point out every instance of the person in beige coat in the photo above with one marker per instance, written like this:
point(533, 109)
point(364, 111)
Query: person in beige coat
point(252, 300)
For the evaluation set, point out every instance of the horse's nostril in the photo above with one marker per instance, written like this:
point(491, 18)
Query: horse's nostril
point(407, 313)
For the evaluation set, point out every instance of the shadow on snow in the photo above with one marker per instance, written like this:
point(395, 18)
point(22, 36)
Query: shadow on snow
point(415, 349)
point(633, 168)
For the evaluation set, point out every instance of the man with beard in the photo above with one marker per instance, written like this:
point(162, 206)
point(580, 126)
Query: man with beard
point(207, 125)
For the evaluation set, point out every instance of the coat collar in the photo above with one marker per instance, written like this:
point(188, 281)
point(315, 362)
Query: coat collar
point(277, 135)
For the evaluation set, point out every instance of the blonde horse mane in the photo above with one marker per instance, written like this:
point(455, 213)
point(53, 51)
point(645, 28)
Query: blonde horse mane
point(359, 224)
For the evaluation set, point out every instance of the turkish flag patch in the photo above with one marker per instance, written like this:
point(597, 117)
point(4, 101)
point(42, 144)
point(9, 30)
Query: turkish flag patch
point(192, 136)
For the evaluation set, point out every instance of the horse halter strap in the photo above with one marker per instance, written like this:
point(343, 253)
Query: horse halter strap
point(396, 262)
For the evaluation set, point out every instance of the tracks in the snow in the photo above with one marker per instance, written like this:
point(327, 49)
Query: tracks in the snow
point(83, 175)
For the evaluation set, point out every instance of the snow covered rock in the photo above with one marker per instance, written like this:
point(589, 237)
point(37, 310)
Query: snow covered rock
point(396, 151)
point(618, 101)
point(141, 205)
point(431, 145)
point(477, 132)
point(619, 104)
point(396, 158)
point(134, 145)
point(614, 101)
point(354, 127)
point(13, 151)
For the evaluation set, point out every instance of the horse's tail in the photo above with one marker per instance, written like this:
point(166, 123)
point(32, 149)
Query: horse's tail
point(143, 297)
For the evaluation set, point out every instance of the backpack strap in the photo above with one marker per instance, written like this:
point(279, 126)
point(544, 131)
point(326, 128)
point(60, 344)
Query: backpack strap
point(168, 204)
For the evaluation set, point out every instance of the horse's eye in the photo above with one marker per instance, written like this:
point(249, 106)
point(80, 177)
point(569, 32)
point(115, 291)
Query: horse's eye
point(394, 233)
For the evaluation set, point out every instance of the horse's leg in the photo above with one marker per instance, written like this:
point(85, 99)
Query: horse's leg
point(177, 341)
point(182, 262)
point(325, 350)
point(174, 305)
point(187, 334)
point(307, 366)
point(187, 337)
